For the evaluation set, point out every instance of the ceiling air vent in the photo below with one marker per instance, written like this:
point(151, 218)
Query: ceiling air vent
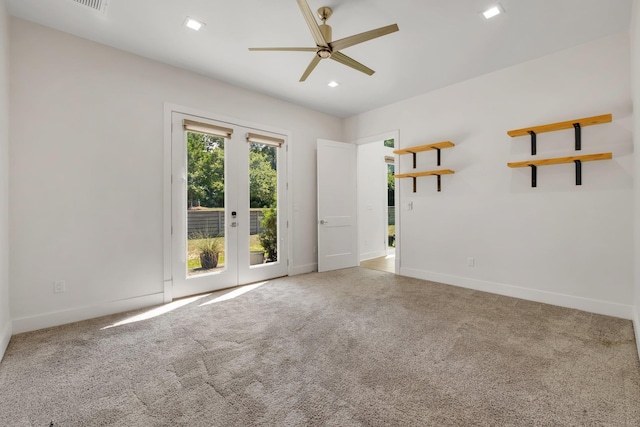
point(97, 5)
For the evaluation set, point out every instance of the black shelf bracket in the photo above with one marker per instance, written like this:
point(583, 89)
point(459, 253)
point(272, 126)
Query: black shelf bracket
point(414, 161)
point(578, 172)
point(414, 183)
point(578, 136)
point(534, 175)
point(439, 183)
point(438, 150)
point(533, 142)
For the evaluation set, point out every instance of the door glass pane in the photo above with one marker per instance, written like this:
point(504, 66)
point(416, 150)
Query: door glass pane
point(206, 246)
point(263, 203)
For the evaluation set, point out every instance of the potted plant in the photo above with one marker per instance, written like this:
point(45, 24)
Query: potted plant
point(256, 257)
point(209, 248)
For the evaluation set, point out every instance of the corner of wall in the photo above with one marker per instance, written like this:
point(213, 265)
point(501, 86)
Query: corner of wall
point(635, 71)
point(5, 318)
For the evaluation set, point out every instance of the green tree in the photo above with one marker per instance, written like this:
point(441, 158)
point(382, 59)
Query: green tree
point(263, 178)
point(270, 153)
point(205, 171)
point(205, 176)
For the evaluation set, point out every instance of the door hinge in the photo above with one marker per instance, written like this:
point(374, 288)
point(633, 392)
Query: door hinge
point(287, 262)
point(287, 185)
point(172, 230)
point(287, 224)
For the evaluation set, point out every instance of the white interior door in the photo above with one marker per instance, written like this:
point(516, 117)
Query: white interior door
point(337, 206)
point(226, 179)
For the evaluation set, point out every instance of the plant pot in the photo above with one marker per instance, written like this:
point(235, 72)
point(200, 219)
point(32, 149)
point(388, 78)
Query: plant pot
point(208, 260)
point(257, 257)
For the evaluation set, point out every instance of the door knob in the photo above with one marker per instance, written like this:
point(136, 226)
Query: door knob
point(324, 221)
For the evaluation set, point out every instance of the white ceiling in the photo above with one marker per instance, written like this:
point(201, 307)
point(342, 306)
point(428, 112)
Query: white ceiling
point(440, 42)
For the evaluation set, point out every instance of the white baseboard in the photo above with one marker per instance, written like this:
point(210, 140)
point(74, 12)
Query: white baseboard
point(636, 326)
point(47, 320)
point(303, 269)
point(371, 255)
point(5, 336)
point(579, 303)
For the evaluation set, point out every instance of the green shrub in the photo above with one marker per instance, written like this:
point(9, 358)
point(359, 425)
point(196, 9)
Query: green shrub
point(269, 235)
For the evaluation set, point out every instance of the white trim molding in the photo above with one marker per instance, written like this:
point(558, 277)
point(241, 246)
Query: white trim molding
point(303, 269)
point(57, 318)
point(372, 255)
point(636, 327)
point(5, 337)
point(606, 308)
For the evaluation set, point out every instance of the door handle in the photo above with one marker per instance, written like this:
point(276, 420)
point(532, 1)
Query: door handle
point(233, 224)
point(324, 221)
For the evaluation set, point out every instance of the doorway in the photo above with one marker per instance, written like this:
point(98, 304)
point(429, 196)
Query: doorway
point(228, 205)
point(376, 204)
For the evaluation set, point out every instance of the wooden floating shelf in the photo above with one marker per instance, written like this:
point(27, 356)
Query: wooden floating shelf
point(421, 148)
point(533, 164)
point(561, 160)
point(570, 124)
point(415, 175)
point(424, 173)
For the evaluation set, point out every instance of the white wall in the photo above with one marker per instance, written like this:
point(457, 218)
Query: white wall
point(5, 319)
point(372, 199)
point(635, 73)
point(87, 171)
point(558, 243)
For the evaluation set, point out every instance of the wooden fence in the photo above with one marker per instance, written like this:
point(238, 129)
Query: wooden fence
point(211, 222)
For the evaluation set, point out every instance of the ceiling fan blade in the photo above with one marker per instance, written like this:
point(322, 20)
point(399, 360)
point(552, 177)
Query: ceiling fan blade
point(314, 62)
point(312, 23)
point(350, 62)
point(363, 37)
point(285, 49)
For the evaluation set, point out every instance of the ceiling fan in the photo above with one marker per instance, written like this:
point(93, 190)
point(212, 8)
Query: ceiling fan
point(325, 47)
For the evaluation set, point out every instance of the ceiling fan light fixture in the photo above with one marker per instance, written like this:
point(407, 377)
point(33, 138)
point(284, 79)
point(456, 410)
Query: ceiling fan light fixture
point(333, 84)
point(324, 53)
point(493, 11)
point(194, 24)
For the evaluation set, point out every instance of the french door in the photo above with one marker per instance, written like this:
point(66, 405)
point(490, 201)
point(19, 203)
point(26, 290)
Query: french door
point(228, 213)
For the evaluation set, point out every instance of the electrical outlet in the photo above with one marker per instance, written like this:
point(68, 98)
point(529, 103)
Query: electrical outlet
point(59, 286)
point(471, 262)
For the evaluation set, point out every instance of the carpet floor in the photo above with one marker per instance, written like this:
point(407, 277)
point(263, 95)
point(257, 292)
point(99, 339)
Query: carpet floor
point(354, 347)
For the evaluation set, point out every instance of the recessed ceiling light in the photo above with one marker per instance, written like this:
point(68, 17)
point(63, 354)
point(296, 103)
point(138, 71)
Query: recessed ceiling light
point(493, 11)
point(333, 84)
point(194, 24)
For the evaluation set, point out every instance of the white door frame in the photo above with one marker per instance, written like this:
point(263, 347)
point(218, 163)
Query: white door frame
point(395, 134)
point(170, 108)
